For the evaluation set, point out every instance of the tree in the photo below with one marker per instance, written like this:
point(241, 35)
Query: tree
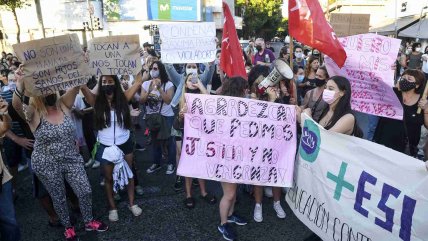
point(262, 18)
point(12, 5)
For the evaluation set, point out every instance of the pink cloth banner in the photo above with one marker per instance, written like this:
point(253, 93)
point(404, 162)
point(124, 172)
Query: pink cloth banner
point(238, 140)
point(368, 68)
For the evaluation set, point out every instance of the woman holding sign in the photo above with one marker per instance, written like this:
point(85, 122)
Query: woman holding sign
point(194, 86)
point(55, 156)
point(113, 122)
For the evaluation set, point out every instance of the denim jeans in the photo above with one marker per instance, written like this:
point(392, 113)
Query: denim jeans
point(172, 148)
point(9, 229)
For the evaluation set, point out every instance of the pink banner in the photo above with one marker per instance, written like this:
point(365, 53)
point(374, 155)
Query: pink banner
point(368, 68)
point(238, 140)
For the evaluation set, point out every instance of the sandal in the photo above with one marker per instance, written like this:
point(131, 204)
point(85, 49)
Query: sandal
point(189, 203)
point(210, 199)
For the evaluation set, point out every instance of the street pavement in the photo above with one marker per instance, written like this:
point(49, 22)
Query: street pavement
point(164, 215)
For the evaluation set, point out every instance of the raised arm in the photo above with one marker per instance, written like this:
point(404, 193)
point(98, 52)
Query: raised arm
point(173, 76)
point(129, 93)
point(69, 97)
point(208, 74)
point(89, 95)
point(5, 119)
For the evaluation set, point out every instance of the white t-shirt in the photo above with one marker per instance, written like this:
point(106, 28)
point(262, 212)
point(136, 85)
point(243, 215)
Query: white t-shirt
point(79, 105)
point(154, 100)
point(109, 136)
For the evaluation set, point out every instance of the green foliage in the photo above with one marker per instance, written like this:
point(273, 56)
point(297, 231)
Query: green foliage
point(262, 18)
point(11, 5)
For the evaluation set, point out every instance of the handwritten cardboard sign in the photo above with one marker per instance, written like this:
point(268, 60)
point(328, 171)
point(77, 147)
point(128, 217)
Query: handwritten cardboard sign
point(348, 188)
point(368, 68)
point(188, 42)
point(346, 24)
point(238, 140)
point(115, 55)
point(52, 64)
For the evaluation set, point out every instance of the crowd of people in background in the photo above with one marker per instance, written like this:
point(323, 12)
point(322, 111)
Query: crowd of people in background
point(106, 113)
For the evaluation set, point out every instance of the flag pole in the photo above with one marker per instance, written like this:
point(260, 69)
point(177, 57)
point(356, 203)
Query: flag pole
point(291, 52)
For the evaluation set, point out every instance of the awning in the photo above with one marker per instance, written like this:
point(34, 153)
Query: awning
point(388, 26)
point(412, 31)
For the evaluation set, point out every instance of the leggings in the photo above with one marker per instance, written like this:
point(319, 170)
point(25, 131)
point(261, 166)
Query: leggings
point(52, 174)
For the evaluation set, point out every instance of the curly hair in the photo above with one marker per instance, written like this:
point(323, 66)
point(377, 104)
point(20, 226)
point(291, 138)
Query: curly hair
point(234, 86)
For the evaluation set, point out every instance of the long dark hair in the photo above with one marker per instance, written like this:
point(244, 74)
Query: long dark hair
point(120, 104)
point(163, 76)
point(234, 86)
point(343, 107)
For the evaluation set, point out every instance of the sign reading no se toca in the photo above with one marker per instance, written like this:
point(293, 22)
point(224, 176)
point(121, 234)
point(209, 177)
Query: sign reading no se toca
point(115, 55)
point(188, 42)
point(52, 64)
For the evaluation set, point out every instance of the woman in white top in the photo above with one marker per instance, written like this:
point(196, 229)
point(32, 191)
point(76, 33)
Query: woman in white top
point(113, 122)
point(157, 95)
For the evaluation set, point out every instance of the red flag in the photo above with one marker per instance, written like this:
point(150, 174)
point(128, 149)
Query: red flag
point(231, 58)
point(307, 24)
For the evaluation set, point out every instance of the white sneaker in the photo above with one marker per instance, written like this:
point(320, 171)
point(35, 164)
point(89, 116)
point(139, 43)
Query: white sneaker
point(278, 209)
point(136, 211)
point(258, 213)
point(96, 164)
point(268, 191)
point(113, 216)
point(170, 169)
point(139, 190)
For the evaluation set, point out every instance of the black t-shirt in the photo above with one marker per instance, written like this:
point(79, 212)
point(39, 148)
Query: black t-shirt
point(395, 133)
point(305, 88)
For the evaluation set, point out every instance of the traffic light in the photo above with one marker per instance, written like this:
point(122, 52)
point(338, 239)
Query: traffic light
point(97, 24)
point(85, 26)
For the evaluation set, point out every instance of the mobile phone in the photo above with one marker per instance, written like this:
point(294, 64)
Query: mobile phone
point(194, 79)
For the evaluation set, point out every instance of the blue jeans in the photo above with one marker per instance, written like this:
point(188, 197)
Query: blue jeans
point(9, 229)
point(157, 145)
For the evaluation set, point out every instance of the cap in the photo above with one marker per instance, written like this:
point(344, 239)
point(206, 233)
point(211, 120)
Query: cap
point(146, 44)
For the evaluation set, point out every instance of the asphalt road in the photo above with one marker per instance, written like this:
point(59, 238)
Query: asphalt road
point(164, 215)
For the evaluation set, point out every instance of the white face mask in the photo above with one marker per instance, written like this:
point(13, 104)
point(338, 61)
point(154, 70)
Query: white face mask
point(299, 55)
point(328, 96)
point(191, 71)
point(154, 73)
point(418, 49)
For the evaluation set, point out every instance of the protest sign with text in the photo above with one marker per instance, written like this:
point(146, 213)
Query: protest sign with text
point(188, 42)
point(52, 64)
point(238, 140)
point(368, 68)
point(115, 55)
point(347, 188)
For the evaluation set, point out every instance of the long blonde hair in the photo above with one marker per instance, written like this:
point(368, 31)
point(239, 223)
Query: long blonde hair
point(38, 104)
point(182, 102)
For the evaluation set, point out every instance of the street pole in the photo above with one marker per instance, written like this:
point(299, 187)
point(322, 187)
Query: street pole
point(90, 18)
point(395, 23)
point(40, 17)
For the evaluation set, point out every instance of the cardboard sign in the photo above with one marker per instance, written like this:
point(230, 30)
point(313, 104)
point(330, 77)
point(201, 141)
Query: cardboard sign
point(345, 24)
point(52, 64)
point(115, 55)
point(238, 140)
point(188, 42)
point(347, 188)
point(368, 68)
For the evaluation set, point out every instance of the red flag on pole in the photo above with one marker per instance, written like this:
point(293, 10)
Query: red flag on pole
point(231, 58)
point(307, 24)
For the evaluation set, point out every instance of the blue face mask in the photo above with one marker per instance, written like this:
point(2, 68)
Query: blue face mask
point(300, 78)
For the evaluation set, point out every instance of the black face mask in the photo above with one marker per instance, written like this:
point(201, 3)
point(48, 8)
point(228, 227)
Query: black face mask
point(319, 82)
point(195, 91)
point(50, 100)
point(258, 47)
point(406, 85)
point(108, 89)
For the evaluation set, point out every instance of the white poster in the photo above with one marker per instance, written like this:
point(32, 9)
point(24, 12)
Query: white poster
point(347, 188)
point(188, 42)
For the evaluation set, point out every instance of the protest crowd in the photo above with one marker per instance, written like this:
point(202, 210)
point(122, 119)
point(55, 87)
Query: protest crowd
point(93, 125)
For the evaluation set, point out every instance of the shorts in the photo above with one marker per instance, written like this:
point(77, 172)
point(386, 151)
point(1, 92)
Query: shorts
point(127, 148)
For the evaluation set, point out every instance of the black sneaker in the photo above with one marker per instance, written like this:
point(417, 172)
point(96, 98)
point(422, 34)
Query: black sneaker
point(227, 232)
point(154, 168)
point(234, 218)
point(178, 186)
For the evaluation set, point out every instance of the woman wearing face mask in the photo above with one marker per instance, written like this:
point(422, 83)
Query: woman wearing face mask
point(414, 59)
point(55, 156)
point(395, 133)
point(113, 122)
point(193, 86)
point(313, 98)
point(310, 76)
point(157, 95)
